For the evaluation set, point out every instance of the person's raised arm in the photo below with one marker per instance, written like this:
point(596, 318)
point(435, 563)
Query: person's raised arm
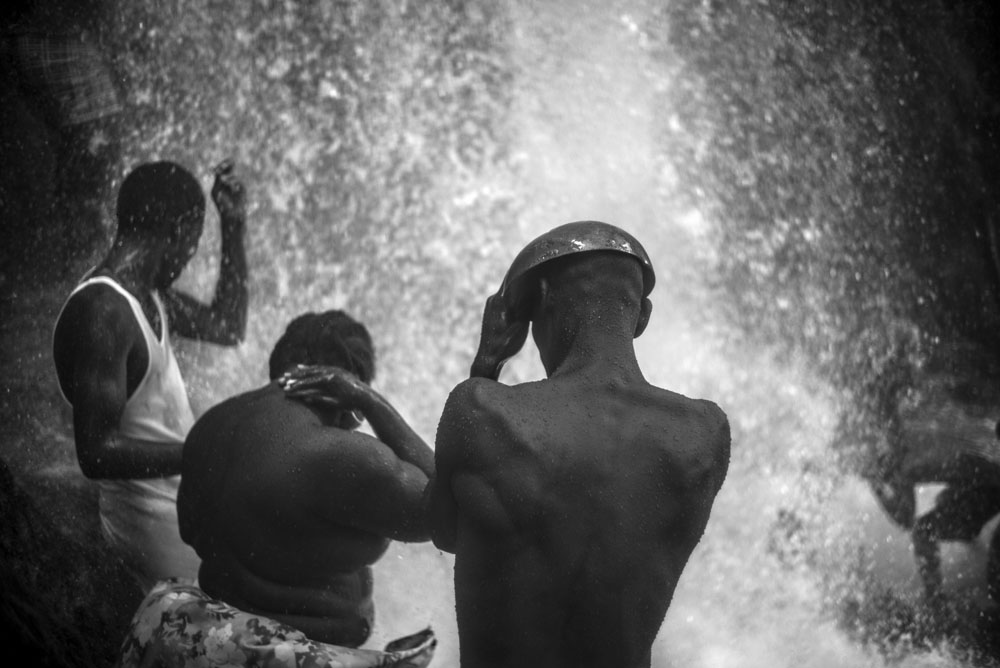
point(224, 321)
point(351, 393)
point(502, 336)
point(101, 335)
point(356, 480)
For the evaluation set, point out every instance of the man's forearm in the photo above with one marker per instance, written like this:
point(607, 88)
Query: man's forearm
point(231, 295)
point(485, 366)
point(121, 458)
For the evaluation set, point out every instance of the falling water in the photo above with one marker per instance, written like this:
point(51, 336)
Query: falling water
point(398, 155)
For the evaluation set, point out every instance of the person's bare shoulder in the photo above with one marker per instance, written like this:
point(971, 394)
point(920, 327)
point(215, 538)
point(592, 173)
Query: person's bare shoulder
point(703, 427)
point(97, 307)
point(475, 409)
point(714, 418)
point(472, 399)
point(705, 414)
point(716, 438)
point(96, 328)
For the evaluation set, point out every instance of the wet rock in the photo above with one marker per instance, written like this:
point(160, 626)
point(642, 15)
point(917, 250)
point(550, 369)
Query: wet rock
point(67, 600)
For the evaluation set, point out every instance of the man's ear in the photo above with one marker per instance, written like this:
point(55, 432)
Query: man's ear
point(645, 309)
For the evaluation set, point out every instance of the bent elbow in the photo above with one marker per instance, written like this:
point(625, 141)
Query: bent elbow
point(238, 332)
point(444, 545)
point(443, 540)
point(232, 340)
point(230, 336)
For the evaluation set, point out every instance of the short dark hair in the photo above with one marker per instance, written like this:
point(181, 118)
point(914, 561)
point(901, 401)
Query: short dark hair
point(332, 338)
point(157, 197)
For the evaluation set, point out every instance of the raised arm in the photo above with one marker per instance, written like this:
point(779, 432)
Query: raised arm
point(355, 480)
point(502, 336)
point(224, 321)
point(348, 392)
point(392, 429)
point(93, 341)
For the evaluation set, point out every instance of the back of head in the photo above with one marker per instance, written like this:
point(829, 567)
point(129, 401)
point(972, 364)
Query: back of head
point(157, 198)
point(577, 255)
point(600, 275)
point(331, 338)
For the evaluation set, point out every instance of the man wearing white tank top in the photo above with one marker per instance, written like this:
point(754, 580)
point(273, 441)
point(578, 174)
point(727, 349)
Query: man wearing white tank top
point(116, 367)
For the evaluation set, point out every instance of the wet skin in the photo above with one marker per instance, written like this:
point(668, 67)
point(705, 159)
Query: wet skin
point(99, 350)
point(289, 511)
point(572, 504)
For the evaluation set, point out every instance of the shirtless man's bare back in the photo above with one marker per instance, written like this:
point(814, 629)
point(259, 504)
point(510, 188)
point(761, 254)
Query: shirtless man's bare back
point(572, 503)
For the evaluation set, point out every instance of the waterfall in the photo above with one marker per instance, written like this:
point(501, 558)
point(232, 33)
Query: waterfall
point(398, 154)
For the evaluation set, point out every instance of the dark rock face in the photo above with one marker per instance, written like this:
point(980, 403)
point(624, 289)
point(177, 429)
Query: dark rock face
point(67, 600)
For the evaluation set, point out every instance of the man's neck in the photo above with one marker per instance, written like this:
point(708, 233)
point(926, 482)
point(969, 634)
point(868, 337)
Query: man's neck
point(601, 356)
point(133, 265)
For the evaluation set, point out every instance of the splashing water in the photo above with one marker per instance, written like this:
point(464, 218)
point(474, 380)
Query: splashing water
point(398, 156)
point(756, 592)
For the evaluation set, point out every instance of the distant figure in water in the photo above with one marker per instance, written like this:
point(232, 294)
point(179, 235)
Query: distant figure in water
point(970, 471)
point(116, 365)
point(289, 506)
point(571, 503)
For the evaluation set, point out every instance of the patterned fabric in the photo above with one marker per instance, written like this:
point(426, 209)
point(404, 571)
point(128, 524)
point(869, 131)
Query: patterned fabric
point(178, 625)
point(68, 71)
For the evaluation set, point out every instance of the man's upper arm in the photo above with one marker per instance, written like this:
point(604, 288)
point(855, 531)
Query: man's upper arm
point(441, 510)
point(103, 334)
point(453, 443)
point(359, 481)
point(196, 467)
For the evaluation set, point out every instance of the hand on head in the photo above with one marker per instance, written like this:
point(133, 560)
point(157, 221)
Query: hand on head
point(326, 386)
point(503, 335)
point(331, 383)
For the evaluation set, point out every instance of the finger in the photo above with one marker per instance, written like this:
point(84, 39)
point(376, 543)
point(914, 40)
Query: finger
point(298, 371)
point(302, 392)
point(313, 380)
point(302, 382)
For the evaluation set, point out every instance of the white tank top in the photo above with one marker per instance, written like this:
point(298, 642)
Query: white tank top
point(139, 517)
point(159, 409)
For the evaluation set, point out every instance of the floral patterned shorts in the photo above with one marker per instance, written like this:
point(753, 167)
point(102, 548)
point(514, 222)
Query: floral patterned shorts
point(178, 625)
